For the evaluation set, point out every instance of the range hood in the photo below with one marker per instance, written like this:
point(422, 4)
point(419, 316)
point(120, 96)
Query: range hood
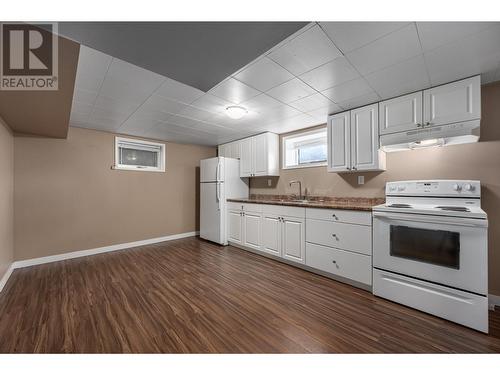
point(442, 135)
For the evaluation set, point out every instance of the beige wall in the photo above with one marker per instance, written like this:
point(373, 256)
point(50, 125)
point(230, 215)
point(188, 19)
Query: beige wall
point(6, 197)
point(67, 197)
point(479, 161)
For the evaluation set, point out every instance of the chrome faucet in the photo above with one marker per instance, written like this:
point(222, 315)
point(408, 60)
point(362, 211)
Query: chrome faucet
point(301, 197)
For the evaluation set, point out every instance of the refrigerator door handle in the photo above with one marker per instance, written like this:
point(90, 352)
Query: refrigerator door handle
point(217, 171)
point(217, 193)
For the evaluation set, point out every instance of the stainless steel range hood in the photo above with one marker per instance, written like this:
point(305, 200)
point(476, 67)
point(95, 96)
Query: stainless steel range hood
point(442, 135)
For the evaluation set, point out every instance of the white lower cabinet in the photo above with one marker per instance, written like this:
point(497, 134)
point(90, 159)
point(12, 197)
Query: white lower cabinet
point(271, 234)
point(353, 266)
point(252, 229)
point(293, 239)
point(338, 242)
point(234, 222)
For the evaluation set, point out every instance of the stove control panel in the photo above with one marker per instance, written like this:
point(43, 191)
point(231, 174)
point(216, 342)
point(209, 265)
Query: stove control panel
point(437, 188)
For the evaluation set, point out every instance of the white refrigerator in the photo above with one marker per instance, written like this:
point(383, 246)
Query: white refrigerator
point(219, 180)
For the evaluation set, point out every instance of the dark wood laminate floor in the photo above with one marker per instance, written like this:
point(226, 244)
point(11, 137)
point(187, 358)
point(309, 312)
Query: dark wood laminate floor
point(192, 296)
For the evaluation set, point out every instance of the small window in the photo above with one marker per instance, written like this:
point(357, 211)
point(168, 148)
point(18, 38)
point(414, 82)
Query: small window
point(306, 149)
point(138, 155)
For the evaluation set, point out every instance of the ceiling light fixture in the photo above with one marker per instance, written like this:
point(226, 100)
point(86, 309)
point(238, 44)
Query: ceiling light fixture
point(236, 112)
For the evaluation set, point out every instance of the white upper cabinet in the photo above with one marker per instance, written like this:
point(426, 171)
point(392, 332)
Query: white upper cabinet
point(260, 155)
point(453, 102)
point(400, 114)
point(364, 139)
point(246, 157)
point(353, 141)
point(339, 142)
point(230, 150)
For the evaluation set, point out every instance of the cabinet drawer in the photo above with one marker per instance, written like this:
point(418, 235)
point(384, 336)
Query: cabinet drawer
point(284, 210)
point(344, 236)
point(239, 206)
point(339, 262)
point(342, 216)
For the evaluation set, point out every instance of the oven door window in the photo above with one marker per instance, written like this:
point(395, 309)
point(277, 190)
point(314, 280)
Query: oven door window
point(438, 247)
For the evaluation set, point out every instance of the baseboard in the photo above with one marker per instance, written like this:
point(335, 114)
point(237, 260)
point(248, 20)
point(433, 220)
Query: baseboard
point(493, 301)
point(6, 276)
point(99, 250)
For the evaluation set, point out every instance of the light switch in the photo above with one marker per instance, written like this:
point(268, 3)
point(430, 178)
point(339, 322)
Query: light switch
point(361, 180)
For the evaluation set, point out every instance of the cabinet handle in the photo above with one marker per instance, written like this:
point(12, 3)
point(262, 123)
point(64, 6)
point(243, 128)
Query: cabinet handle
point(335, 217)
point(419, 125)
point(354, 168)
point(334, 261)
point(348, 168)
point(335, 236)
point(428, 123)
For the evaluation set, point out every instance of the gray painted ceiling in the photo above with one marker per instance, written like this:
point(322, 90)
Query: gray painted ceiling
point(199, 54)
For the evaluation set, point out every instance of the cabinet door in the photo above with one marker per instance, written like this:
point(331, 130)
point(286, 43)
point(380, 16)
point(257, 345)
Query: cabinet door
point(401, 114)
point(454, 102)
point(364, 138)
point(339, 142)
point(222, 150)
point(235, 150)
point(234, 223)
point(260, 152)
point(251, 230)
point(246, 157)
point(293, 239)
point(271, 234)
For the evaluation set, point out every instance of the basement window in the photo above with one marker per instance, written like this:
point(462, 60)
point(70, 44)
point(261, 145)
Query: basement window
point(137, 155)
point(305, 149)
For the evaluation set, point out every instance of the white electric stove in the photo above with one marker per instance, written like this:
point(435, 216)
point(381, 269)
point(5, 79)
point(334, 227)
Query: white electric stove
point(430, 249)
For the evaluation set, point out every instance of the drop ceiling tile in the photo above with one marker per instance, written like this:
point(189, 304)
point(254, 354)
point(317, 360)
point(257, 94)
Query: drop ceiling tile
point(84, 96)
point(112, 115)
point(81, 108)
point(360, 101)
point(178, 91)
point(436, 34)
point(347, 90)
point(123, 90)
point(195, 113)
point(116, 105)
point(150, 114)
point(261, 103)
point(290, 91)
point(293, 123)
point(103, 123)
point(475, 54)
point(349, 36)
point(386, 51)
point(92, 68)
point(160, 103)
point(263, 74)
point(330, 74)
point(307, 51)
point(322, 114)
point(401, 78)
point(137, 126)
point(184, 121)
point(312, 102)
point(279, 113)
point(76, 118)
point(211, 103)
point(234, 91)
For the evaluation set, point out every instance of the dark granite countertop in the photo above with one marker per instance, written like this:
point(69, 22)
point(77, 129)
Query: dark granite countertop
point(359, 204)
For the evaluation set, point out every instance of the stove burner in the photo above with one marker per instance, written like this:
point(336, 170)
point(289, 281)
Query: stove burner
point(399, 205)
point(454, 208)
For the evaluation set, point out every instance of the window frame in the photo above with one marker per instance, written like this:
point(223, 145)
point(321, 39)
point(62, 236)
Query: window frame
point(298, 134)
point(141, 168)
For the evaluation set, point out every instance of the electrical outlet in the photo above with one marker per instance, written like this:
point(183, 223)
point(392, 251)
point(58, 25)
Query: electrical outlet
point(361, 180)
point(269, 182)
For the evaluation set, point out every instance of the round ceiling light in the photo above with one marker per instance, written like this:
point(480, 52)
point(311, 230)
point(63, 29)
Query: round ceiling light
point(236, 112)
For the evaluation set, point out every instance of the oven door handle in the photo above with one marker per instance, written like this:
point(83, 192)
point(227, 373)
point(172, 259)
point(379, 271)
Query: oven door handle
point(447, 220)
